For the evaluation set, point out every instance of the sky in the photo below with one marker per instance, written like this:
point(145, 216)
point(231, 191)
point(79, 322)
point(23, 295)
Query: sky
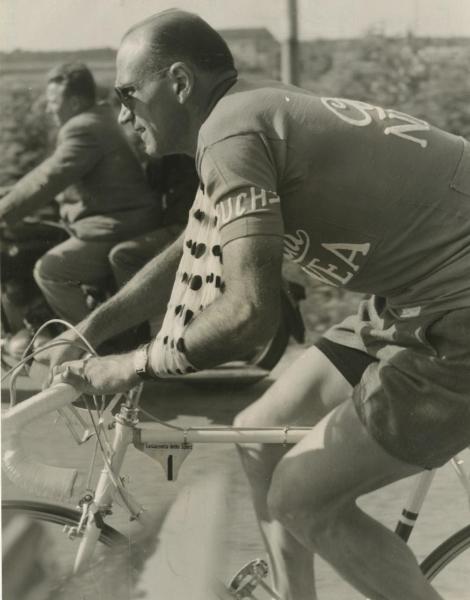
point(74, 24)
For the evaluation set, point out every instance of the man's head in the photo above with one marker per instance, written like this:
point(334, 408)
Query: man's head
point(167, 66)
point(70, 90)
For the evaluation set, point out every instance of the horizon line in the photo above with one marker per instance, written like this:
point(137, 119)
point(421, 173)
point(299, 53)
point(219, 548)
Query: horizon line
point(404, 34)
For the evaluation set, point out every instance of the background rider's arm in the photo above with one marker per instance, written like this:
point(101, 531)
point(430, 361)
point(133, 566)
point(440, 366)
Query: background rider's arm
point(247, 313)
point(77, 151)
point(145, 295)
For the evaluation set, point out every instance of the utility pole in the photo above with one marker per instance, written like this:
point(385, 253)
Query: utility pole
point(290, 46)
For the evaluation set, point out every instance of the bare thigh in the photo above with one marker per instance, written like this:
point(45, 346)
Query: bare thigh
point(334, 464)
point(307, 390)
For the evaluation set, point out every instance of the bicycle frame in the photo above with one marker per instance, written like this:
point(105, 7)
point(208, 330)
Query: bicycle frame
point(418, 493)
point(169, 447)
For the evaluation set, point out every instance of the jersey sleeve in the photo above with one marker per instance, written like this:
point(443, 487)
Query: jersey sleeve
point(238, 174)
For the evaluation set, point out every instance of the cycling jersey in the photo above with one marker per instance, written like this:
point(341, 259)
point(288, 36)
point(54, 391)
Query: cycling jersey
point(367, 198)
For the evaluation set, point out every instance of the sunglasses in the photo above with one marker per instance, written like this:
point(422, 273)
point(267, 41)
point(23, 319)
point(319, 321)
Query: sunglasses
point(125, 93)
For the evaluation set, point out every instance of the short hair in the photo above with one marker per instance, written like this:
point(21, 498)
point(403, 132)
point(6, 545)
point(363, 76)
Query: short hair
point(175, 35)
point(76, 78)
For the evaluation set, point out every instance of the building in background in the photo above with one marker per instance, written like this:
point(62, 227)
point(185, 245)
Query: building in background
point(255, 50)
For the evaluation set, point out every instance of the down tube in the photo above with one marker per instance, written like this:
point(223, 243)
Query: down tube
point(105, 490)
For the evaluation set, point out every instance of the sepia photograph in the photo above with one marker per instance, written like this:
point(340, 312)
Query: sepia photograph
point(235, 299)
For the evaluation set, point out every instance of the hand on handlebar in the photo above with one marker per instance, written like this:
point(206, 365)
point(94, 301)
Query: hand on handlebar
point(59, 354)
point(98, 374)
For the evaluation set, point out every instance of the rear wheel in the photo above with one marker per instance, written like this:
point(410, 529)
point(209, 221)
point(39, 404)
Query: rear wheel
point(448, 566)
point(38, 555)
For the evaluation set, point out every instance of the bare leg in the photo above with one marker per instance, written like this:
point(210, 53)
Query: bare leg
point(318, 387)
point(329, 469)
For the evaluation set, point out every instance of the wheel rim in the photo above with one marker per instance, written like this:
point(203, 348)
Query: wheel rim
point(39, 557)
point(448, 567)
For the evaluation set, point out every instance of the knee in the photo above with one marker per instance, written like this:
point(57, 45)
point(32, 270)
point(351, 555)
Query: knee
point(37, 271)
point(45, 269)
point(255, 457)
point(244, 418)
point(249, 418)
point(119, 254)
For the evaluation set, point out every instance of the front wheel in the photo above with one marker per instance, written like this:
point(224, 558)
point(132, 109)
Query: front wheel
point(448, 566)
point(38, 555)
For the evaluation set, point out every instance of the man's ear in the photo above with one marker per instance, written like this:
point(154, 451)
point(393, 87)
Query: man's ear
point(76, 104)
point(182, 78)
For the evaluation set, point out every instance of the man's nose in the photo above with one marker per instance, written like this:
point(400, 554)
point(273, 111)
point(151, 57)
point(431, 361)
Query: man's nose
point(125, 115)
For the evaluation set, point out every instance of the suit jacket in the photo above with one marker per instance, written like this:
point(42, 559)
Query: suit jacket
point(175, 180)
point(94, 176)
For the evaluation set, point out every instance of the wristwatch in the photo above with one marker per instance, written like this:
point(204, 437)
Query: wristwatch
point(141, 360)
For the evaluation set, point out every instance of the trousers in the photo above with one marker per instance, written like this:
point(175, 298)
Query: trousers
point(63, 270)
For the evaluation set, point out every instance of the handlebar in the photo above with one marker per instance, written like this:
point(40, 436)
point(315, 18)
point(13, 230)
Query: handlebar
point(42, 480)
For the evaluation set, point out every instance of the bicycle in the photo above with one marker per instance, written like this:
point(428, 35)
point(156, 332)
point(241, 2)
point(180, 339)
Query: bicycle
point(168, 445)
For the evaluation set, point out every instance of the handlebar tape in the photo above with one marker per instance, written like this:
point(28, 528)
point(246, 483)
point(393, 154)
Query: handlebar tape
point(57, 483)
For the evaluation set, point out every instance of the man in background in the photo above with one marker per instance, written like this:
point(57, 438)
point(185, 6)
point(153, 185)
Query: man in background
point(100, 188)
point(174, 181)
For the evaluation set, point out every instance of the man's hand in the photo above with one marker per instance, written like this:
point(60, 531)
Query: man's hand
point(99, 374)
point(59, 354)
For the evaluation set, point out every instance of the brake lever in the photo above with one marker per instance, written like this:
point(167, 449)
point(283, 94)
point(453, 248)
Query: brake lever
point(77, 426)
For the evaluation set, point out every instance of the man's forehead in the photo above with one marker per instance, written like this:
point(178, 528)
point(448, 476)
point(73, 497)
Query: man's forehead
point(130, 61)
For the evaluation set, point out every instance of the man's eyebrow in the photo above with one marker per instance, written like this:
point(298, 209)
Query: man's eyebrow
point(125, 85)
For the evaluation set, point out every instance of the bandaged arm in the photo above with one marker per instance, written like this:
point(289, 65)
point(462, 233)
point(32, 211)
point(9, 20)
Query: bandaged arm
point(246, 314)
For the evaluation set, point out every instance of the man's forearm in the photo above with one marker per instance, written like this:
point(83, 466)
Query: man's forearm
point(145, 295)
point(241, 319)
point(228, 330)
point(21, 201)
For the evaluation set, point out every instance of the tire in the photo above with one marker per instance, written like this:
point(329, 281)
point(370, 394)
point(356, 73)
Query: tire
point(38, 555)
point(448, 566)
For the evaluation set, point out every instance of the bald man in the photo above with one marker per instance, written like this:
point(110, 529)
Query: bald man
point(327, 183)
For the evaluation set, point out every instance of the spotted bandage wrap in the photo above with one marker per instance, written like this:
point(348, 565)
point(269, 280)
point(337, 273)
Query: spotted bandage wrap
point(198, 283)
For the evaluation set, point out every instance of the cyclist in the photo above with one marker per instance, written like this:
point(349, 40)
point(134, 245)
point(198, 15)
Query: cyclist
point(370, 199)
point(98, 183)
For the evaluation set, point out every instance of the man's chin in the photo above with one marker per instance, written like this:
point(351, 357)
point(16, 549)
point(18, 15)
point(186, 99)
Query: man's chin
point(153, 151)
